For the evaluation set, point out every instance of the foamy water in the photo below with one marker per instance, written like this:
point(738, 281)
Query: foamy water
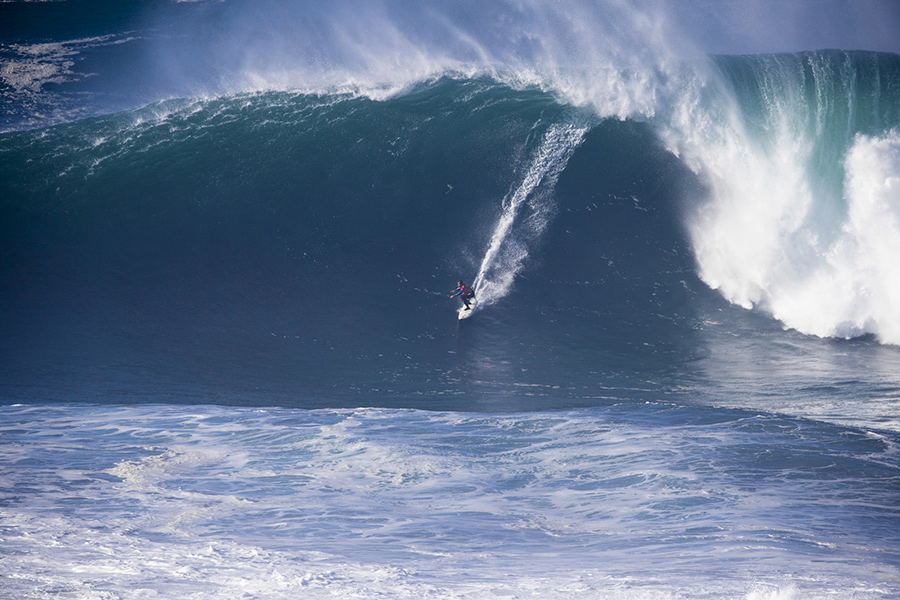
point(659, 502)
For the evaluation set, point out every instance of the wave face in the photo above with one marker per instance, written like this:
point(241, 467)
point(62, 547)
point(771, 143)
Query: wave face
point(796, 153)
point(320, 234)
point(304, 245)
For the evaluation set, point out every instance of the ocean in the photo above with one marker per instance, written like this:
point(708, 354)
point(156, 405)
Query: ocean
point(230, 368)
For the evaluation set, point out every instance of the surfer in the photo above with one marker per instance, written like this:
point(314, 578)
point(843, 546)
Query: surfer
point(464, 292)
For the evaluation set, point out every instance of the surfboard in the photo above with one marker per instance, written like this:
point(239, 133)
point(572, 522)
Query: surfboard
point(465, 314)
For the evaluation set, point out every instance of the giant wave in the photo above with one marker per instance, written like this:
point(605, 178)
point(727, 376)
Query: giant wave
point(219, 243)
point(328, 192)
point(795, 154)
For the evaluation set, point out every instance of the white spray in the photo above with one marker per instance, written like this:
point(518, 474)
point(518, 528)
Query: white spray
point(507, 251)
point(855, 288)
point(779, 232)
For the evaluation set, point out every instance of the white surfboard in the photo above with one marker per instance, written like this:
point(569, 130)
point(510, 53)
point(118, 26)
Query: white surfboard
point(465, 314)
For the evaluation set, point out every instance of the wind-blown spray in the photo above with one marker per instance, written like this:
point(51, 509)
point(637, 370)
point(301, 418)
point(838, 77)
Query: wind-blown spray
point(508, 247)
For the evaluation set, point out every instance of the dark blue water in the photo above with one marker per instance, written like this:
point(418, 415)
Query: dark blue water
point(229, 366)
point(228, 245)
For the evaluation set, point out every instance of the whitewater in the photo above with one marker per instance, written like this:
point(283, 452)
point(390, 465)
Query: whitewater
point(229, 367)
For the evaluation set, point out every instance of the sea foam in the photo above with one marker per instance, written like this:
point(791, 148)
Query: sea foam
point(781, 229)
